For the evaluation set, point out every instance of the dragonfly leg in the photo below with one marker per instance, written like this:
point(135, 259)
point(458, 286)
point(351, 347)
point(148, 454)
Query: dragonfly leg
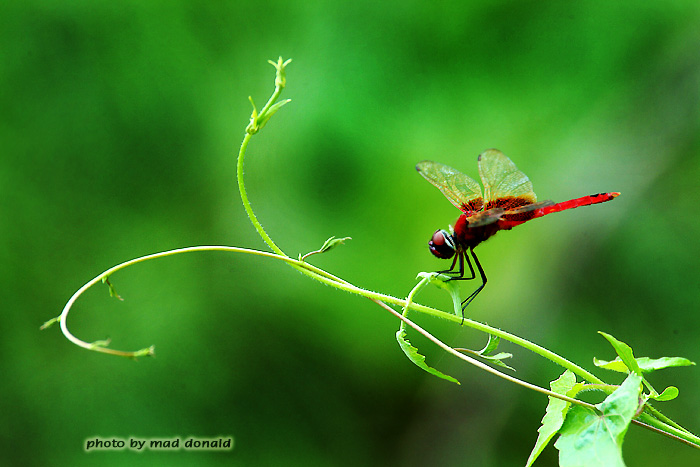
point(459, 275)
point(454, 262)
point(469, 299)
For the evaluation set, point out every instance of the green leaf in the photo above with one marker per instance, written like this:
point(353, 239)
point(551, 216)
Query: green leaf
point(491, 345)
point(498, 359)
point(418, 359)
point(327, 245)
point(592, 439)
point(147, 352)
point(646, 364)
point(652, 364)
point(451, 287)
point(332, 242)
point(624, 351)
point(102, 343)
point(263, 118)
point(112, 290)
point(668, 394)
point(554, 417)
point(641, 365)
point(495, 359)
point(252, 127)
point(50, 323)
point(614, 365)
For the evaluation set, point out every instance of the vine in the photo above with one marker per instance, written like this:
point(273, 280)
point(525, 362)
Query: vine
point(585, 429)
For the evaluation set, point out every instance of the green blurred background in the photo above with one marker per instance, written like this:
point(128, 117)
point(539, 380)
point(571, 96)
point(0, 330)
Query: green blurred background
point(120, 123)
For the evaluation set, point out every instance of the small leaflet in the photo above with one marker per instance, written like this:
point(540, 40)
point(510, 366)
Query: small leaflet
point(101, 343)
point(50, 323)
point(667, 394)
point(491, 347)
point(112, 290)
point(328, 245)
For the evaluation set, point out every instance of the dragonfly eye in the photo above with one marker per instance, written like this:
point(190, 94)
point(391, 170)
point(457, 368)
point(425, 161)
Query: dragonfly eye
point(442, 244)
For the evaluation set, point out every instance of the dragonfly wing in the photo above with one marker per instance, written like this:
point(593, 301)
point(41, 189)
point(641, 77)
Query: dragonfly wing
point(504, 185)
point(522, 213)
point(485, 217)
point(529, 207)
point(525, 213)
point(461, 190)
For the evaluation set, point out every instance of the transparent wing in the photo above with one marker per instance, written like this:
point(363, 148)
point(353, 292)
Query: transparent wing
point(504, 185)
point(518, 214)
point(461, 190)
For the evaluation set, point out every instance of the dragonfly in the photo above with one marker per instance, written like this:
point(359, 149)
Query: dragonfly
point(508, 200)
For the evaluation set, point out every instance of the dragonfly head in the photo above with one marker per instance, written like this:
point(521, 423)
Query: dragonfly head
point(442, 244)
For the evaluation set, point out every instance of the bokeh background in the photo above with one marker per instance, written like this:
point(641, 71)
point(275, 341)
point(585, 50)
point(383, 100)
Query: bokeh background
point(120, 123)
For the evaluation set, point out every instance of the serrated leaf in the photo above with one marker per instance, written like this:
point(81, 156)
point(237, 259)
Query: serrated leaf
point(498, 359)
point(499, 356)
point(418, 359)
point(495, 359)
point(652, 364)
point(554, 415)
point(625, 354)
point(594, 439)
point(491, 345)
point(646, 364)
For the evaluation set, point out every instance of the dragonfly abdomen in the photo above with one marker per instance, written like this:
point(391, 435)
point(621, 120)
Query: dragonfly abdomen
point(574, 203)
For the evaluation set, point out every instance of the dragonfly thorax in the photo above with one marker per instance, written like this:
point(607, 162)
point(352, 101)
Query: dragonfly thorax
point(442, 244)
point(469, 231)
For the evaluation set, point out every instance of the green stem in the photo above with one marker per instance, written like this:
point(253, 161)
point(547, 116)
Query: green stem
point(677, 433)
point(246, 203)
point(310, 270)
point(257, 121)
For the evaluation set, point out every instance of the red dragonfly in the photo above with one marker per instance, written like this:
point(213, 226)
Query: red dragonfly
point(508, 200)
